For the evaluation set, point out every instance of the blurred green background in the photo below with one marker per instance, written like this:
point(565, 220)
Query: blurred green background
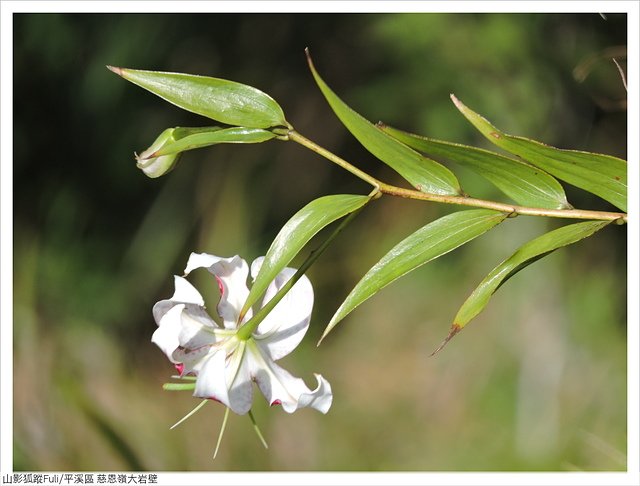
point(537, 382)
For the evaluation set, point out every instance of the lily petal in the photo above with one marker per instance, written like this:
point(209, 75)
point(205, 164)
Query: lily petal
point(167, 336)
point(285, 326)
point(186, 338)
point(184, 293)
point(197, 340)
point(231, 275)
point(282, 388)
point(226, 379)
point(188, 298)
point(186, 332)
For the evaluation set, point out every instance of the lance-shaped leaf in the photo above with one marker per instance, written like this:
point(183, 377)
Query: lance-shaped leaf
point(602, 175)
point(296, 233)
point(525, 184)
point(428, 243)
point(424, 174)
point(193, 138)
point(219, 99)
point(524, 256)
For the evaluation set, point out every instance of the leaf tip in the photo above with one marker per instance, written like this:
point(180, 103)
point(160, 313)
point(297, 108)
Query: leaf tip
point(324, 335)
point(327, 330)
point(455, 329)
point(312, 67)
point(115, 69)
point(459, 104)
point(307, 53)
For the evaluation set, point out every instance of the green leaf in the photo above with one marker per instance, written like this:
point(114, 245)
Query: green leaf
point(525, 184)
point(602, 175)
point(219, 99)
point(524, 256)
point(296, 233)
point(428, 243)
point(424, 174)
point(193, 138)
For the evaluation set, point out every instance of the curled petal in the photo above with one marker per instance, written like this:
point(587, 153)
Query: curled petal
point(231, 275)
point(225, 378)
point(285, 326)
point(186, 332)
point(185, 337)
point(197, 339)
point(320, 399)
point(200, 260)
point(167, 336)
point(190, 361)
point(281, 388)
point(184, 293)
point(181, 318)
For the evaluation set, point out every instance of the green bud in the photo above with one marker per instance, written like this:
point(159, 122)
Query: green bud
point(156, 166)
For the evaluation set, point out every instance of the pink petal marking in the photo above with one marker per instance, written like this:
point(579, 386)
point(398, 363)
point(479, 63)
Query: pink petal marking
point(220, 286)
point(276, 402)
point(179, 368)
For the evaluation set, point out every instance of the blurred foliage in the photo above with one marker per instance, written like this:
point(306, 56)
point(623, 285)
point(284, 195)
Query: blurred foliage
point(538, 382)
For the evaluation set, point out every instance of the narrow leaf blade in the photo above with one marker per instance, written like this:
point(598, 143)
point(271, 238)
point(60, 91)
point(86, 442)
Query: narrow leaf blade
point(525, 184)
point(602, 175)
point(189, 139)
point(524, 256)
point(424, 174)
point(296, 233)
point(428, 243)
point(219, 99)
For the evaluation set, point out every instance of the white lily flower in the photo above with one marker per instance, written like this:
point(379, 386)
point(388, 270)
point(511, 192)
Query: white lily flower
point(224, 364)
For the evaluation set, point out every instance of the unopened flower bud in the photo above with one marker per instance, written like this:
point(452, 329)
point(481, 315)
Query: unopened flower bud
point(156, 166)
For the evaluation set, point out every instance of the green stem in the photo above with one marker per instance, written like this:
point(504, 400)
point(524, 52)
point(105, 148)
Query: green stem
point(296, 137)
point(513, 209)
point(251, 325)
point(505, 208)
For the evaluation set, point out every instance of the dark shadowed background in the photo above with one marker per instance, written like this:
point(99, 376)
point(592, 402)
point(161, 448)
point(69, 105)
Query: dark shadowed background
point(537, 382)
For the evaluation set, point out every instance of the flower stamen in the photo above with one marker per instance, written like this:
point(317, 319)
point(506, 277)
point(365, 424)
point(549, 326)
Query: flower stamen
point(200, 405)
point(257, 430)
point(222, 428)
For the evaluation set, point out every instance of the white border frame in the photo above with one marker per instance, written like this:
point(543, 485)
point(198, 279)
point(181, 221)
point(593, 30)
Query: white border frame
point(632, 8)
